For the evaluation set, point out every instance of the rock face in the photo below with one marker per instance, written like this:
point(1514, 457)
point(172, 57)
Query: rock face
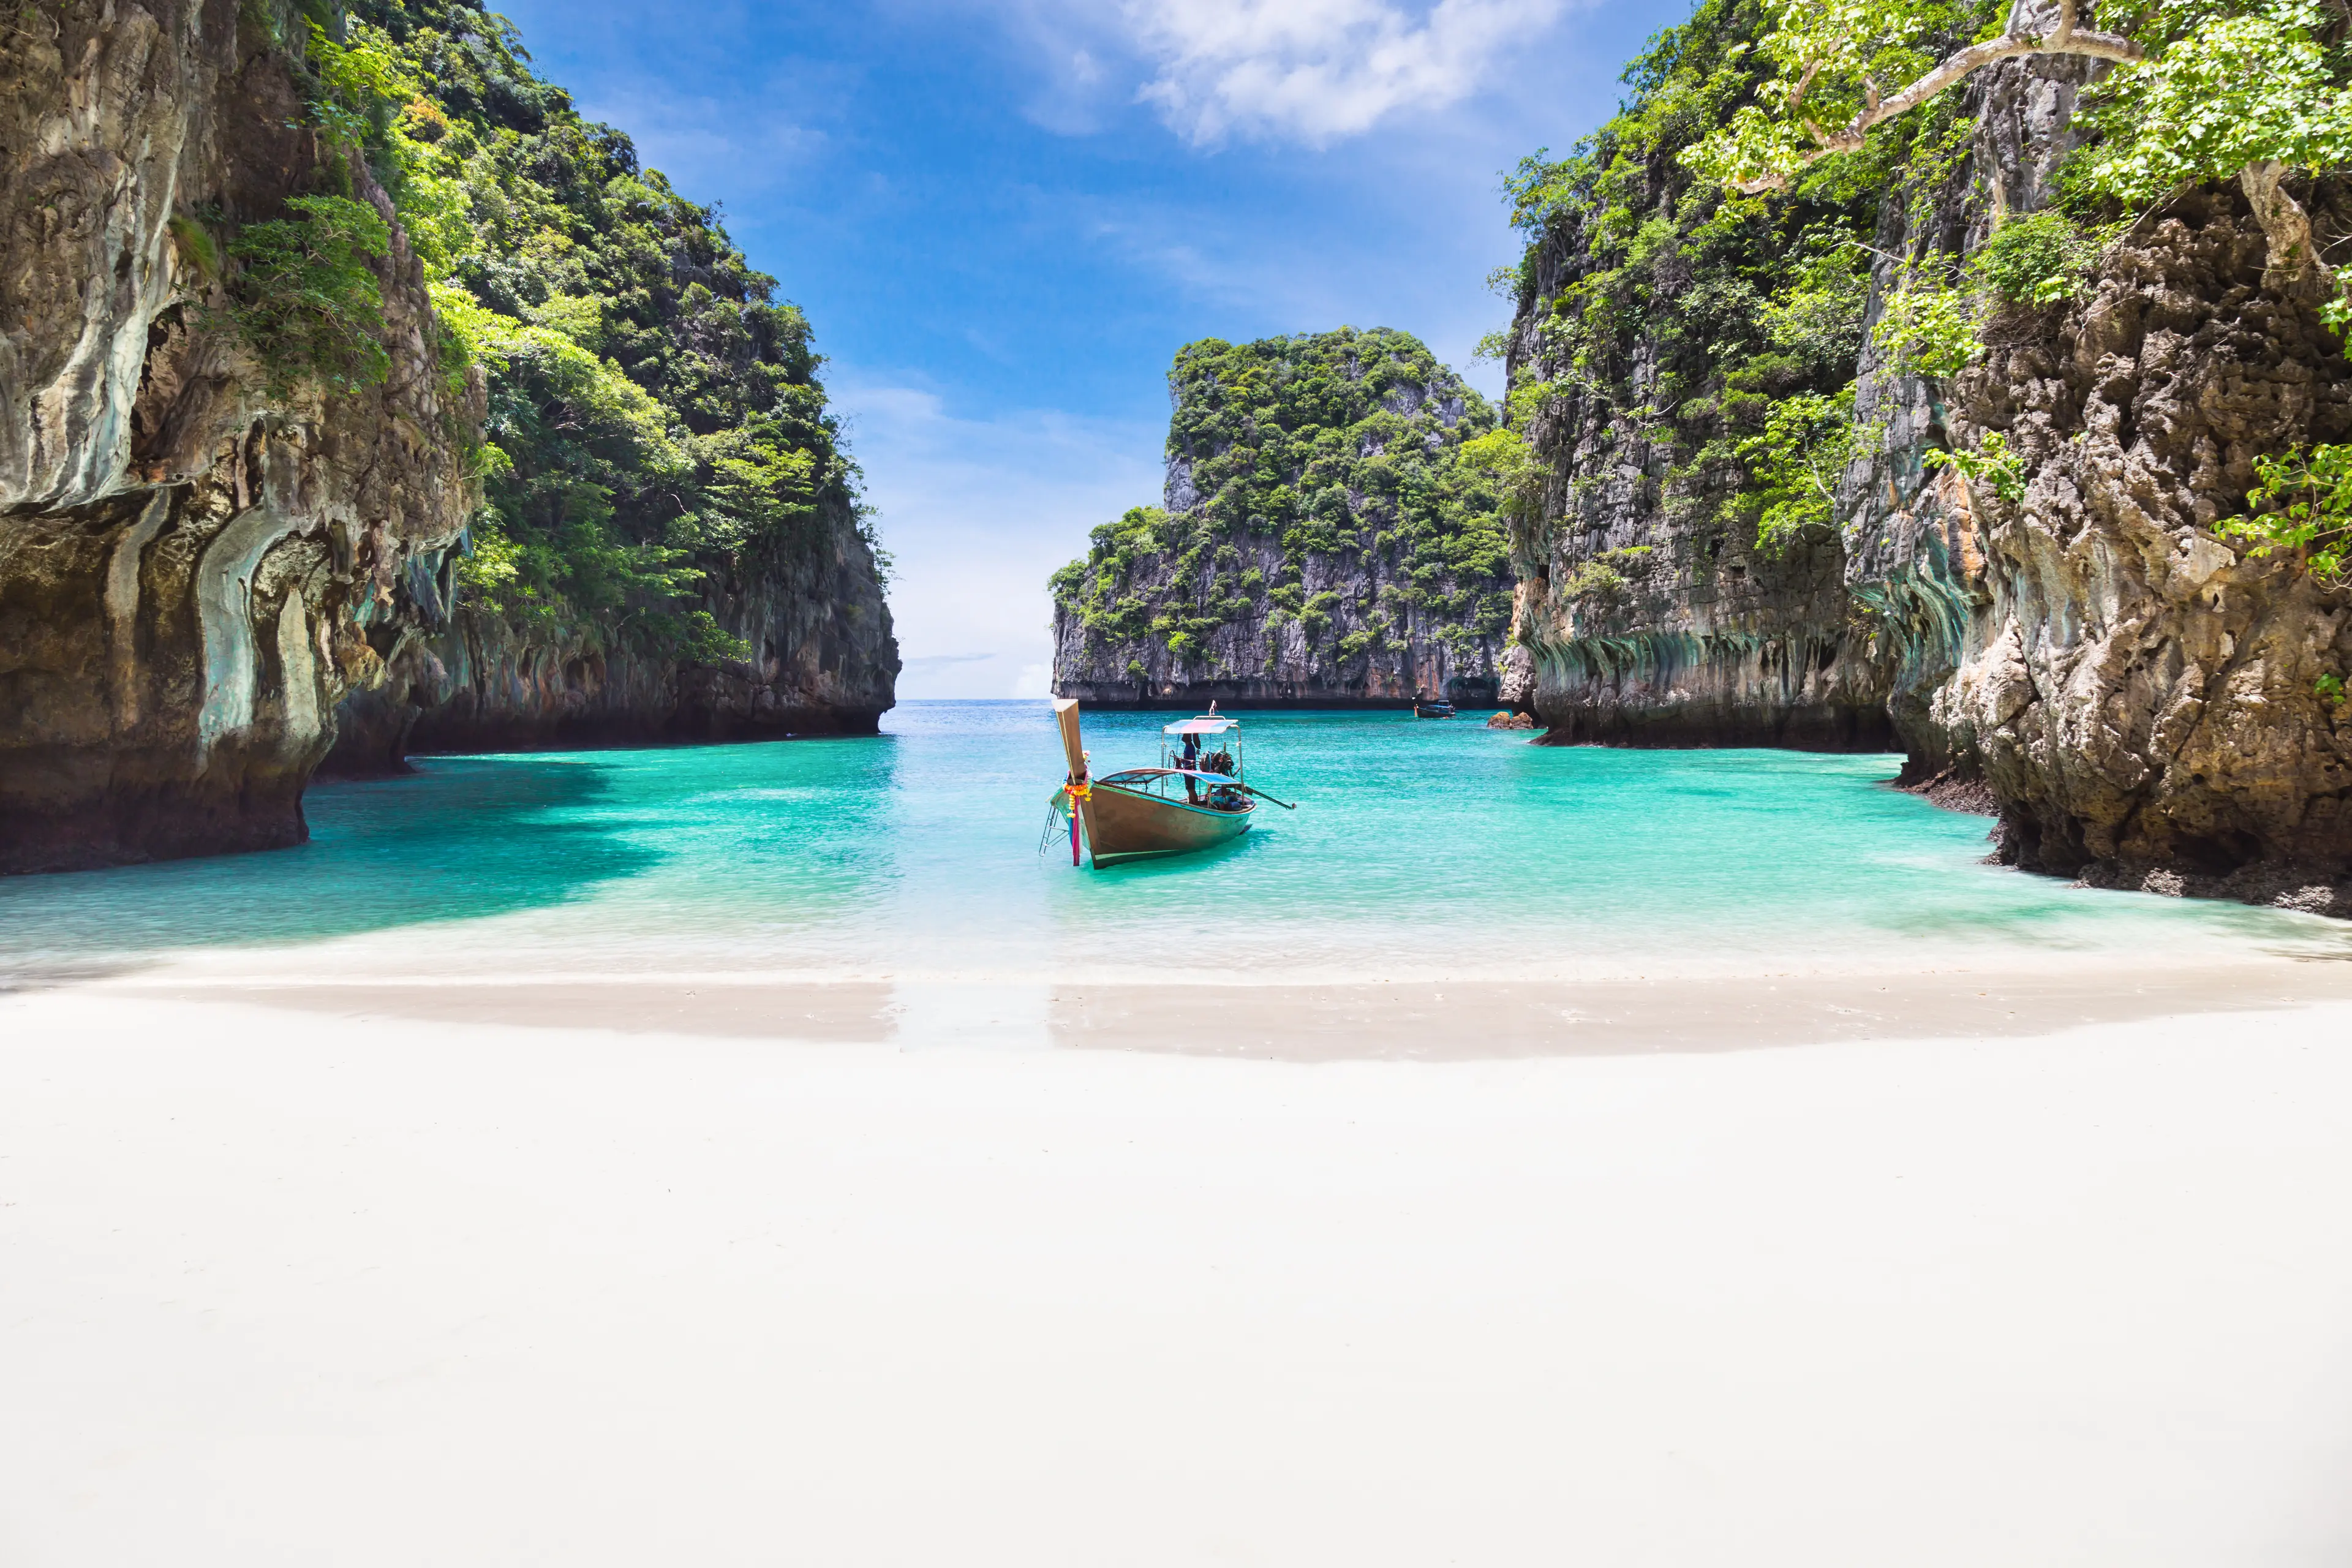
point(2146, 705)
point(824, 663)
point(192, 572)
point(1321, 544)
point(1703, 640)
point(2141, 698)
point(2141, 702)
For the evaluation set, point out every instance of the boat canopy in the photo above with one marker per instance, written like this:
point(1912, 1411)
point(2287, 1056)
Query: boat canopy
point(1207, 724)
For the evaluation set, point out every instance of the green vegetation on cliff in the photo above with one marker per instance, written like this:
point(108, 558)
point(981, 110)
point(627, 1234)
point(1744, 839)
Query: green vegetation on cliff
point(1346, 446)
point(1733, 324)
point(2302, 507)
point(654, 412)
point(1720, 230)
point(308, 300)
point(2193, 92)
point(1725, 220)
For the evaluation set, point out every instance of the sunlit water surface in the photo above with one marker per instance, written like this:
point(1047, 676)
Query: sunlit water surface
point(1418, 850)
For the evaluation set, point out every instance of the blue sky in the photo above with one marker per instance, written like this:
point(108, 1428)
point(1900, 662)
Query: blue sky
point(1003, 219)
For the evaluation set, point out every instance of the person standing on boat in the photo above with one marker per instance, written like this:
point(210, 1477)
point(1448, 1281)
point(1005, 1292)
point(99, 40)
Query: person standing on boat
point(1189, 759)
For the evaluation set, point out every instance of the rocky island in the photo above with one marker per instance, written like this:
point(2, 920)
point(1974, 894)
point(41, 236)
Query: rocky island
point(1327, 539)
point(360, 394)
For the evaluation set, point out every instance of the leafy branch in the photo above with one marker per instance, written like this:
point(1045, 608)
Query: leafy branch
point(1598, 577)
point(1796, 461)
point(1832, 49)
point(2206, 90)
point(2303, 504)
point(306, 298)
point(1993, 464)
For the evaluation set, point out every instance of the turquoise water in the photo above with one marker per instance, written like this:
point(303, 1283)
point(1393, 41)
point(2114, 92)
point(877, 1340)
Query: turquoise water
point(1419, 849)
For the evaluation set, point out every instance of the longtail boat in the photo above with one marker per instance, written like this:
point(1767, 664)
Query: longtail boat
point(1195, 799)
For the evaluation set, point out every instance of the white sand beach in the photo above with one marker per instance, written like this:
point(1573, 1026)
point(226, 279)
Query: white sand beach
point(308, 1285)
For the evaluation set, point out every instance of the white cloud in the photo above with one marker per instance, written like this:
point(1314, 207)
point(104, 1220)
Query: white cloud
point(978, 512)
point(1311, 70)
point(1319, 70)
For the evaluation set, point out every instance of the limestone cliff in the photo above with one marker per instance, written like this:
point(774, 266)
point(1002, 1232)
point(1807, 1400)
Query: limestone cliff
point(194, 568)
point(2148, 704)
point(356, 387)
point(671, 547)
point(1322, 540)
point(2145, 701)
point(819, 660)
point(1654, 338)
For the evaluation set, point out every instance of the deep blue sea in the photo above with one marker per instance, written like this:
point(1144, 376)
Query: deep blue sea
point(1420, 849)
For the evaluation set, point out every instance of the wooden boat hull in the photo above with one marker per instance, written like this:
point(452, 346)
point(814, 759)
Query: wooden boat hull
point(1129, 824)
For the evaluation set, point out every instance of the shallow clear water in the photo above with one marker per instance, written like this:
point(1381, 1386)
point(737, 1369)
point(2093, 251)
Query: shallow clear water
point(1419, 849)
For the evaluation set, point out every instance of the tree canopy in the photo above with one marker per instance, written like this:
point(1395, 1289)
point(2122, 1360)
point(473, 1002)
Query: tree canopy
point(654, 410)
point(2198, 90)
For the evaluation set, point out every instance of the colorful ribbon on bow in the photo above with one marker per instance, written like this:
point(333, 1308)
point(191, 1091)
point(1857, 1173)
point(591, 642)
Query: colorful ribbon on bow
point(1076, 790)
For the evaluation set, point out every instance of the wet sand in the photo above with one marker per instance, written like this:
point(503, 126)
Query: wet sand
point(1480, 1021)
point(1423, 1021)
point(360, 1279)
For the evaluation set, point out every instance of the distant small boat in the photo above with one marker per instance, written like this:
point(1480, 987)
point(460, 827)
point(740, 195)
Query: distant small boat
point(1441, 708)
point(1138, 814)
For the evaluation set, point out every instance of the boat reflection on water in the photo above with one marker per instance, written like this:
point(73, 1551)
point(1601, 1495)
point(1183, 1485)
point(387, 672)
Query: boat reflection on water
point(1195, 799)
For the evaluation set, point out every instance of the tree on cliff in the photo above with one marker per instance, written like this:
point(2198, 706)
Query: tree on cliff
point(2202, 89)
point(656, 416)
